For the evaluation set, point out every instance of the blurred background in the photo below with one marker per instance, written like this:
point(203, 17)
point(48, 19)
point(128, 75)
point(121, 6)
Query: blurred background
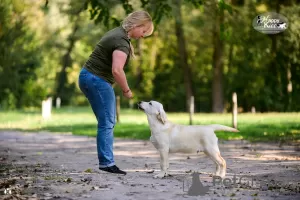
point(205, 49)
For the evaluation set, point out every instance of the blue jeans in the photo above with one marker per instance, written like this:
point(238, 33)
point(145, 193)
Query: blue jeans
point(101, 96)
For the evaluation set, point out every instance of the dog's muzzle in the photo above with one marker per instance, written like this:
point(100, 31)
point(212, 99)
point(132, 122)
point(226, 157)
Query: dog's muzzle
point(139, 106)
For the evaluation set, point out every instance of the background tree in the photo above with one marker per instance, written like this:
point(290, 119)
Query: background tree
point(19, 58)
point(182, 52)
point(35, 38)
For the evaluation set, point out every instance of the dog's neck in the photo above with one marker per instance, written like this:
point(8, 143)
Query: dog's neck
point(156, 125)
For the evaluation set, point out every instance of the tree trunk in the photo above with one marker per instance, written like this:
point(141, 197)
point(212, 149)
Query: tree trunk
point(183, 59)
point(66, 62)
point(217, 62)
point(63, 90)
point(274, 77)
point(289, 88)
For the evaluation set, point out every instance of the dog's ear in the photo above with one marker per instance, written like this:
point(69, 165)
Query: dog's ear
point(161, 116)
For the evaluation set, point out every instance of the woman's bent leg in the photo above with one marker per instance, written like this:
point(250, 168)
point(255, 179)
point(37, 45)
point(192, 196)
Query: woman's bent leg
point(106, 123)
point(102, 99)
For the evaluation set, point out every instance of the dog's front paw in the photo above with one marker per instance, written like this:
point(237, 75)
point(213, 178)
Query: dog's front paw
point(161, 175)
point(222, 176)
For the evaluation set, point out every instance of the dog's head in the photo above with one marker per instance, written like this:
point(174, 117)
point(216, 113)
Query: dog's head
point(153, 108)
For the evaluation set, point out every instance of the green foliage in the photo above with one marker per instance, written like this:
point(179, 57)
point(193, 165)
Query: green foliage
point(224, 6)
point(258, 71)
point(100, 10)
point(35, 36)
point(19, 58)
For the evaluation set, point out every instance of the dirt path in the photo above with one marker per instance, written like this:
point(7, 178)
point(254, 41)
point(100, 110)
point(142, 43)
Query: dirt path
point(56, 166)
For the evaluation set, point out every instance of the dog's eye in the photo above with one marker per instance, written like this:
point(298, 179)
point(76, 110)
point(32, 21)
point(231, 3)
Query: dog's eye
point(150, 103)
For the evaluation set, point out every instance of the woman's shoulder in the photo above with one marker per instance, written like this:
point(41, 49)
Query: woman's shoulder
point(117, 33)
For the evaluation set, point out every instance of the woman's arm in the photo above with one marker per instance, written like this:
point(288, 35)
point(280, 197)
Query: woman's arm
point(118, 63)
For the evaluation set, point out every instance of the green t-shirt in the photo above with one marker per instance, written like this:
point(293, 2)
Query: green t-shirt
point(100, 61)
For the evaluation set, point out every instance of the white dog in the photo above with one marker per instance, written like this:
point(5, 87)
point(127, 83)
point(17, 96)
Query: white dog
point(170, 138)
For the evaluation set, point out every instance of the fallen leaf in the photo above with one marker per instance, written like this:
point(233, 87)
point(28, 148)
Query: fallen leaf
point(88, 170)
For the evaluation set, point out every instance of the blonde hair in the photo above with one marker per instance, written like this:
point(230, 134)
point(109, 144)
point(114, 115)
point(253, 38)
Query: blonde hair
point(137, 18)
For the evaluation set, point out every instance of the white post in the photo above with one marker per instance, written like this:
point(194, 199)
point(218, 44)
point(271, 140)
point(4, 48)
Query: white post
point(130, 103)
point(58, 102)
point(191, 109)
point(46, 108)
point(253, 110)
point(234, 110)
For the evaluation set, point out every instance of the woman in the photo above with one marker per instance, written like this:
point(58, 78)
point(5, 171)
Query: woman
point(105, 67)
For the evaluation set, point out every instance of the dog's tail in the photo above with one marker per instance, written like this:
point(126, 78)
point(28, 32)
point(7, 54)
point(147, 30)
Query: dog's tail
point(218, 127)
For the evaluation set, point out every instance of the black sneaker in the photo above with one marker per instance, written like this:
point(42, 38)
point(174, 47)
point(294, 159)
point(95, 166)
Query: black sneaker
point(113, 169)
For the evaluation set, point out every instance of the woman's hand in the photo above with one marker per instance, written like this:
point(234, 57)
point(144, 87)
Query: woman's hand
point(128, 94)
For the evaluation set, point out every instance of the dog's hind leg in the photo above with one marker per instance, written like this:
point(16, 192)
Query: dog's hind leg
point(220, 162)
point(209, 154)
point(223, 169)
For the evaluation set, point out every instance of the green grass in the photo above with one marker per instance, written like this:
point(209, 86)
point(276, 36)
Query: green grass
point(81, 121)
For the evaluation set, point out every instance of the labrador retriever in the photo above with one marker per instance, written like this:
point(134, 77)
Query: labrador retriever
point(171, 138)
